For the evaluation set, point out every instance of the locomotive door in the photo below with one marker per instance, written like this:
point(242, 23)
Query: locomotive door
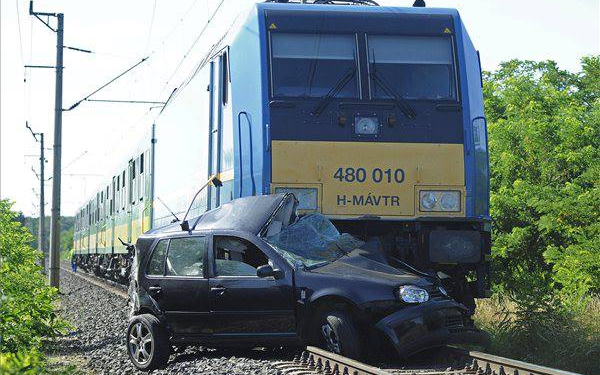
point(215, 126)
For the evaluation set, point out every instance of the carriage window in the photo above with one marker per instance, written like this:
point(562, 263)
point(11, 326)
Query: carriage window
point(414, 67)
point(311, 65)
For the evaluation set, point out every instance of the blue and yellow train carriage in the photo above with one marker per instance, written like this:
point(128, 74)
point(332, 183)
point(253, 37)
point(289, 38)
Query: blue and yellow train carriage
point(371, 115)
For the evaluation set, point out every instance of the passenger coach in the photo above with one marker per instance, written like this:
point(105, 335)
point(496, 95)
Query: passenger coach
point(370, 115)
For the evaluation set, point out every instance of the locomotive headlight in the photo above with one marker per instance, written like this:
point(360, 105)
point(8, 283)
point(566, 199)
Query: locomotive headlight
point(439, 200)
point(428, 200)
point(366, 125)
point(413, 294)
point(450, 201)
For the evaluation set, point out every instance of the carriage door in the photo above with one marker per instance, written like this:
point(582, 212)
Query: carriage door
point(129, 198)
point(217, 67)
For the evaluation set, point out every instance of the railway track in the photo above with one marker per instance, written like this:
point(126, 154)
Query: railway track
point(313, 360)
point(318, 361)
point(105, 284)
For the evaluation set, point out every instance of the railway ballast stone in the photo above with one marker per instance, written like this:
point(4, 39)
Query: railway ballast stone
point(96, 342)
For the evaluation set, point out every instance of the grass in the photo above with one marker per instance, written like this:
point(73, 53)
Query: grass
point(558, 338)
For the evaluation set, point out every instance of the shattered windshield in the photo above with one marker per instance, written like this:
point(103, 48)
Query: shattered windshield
point(313, 241)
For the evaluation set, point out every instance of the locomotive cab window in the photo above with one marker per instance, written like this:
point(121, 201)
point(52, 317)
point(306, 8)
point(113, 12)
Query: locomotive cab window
point(414, 67)
point(311, 65)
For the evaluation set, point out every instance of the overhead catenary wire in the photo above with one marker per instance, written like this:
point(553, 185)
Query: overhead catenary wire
point(20, 35)
point(107, 83)
point(186, 54)
point(150, 28)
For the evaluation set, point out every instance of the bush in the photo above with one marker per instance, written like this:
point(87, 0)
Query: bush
point(27, 304)
point(554, 337)
point(22, 363)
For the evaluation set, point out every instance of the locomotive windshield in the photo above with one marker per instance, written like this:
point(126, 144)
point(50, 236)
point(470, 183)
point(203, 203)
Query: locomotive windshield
point(310, 65)
point(415, 67)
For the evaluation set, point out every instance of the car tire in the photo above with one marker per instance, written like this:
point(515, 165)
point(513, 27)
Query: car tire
point(338, 334)
point(147, 342)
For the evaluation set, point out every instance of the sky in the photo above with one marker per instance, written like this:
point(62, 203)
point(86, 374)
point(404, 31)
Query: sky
point(96, 136)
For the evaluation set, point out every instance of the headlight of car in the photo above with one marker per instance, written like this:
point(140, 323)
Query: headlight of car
point(413, 294)
point(307, 197)
point(439, 200)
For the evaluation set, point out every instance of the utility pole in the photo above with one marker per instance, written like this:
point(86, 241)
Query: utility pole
point(42, 223)
point(54, 267)
point(41, 229)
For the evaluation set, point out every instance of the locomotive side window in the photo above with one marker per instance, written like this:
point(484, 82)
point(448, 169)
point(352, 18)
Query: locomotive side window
point(310, 65)
point(415, 67)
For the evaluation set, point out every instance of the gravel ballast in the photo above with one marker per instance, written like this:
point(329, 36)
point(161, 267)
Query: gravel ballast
point(97, 341)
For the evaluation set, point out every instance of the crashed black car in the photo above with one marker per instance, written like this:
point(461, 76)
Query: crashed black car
point(252, 273)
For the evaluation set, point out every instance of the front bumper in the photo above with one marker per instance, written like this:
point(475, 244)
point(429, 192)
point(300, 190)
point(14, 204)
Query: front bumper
point(431, 324)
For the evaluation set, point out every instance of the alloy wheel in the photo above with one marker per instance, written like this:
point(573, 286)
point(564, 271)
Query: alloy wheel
point(141, 343)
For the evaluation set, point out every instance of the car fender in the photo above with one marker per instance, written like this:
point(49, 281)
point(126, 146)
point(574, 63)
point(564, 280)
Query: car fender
point(147, 304)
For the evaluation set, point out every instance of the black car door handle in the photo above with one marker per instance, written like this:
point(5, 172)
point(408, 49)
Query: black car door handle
point(155, 289)
point(219, 290)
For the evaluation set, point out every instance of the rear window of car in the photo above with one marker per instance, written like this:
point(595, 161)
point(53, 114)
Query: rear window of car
point(156, 265)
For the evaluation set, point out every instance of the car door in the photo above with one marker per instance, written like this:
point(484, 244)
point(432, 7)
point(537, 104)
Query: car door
point(176, 280)
point(241, 303)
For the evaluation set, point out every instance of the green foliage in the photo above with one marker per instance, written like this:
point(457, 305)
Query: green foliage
point(563, 339)
point(31, 363)
point(544, 141)
point(66, 225)
point(22, 363)
point(27, 308)
point(544, 144)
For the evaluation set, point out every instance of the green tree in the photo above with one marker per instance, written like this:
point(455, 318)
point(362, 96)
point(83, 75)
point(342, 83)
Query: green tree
point(544, 141)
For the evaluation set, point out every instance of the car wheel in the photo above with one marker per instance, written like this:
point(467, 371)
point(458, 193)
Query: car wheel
point(338, 334)
point(147, 342)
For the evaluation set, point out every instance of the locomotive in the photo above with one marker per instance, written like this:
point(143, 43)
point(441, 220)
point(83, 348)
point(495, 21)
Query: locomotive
point(372, 116)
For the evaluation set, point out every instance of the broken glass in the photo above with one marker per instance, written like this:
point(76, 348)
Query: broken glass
point(313, 241)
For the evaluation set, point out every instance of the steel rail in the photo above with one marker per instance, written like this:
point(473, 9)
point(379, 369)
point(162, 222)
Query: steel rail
point(318, 361)
point(495, 365)
point(102, 283)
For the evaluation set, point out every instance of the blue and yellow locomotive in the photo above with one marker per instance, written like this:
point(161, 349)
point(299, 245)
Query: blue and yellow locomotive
point(370, 115)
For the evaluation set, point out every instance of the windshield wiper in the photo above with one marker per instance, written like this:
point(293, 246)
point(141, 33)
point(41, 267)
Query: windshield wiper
point(339, 85)
point(399, 101)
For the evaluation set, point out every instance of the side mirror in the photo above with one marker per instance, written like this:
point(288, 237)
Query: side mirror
point(266, 271)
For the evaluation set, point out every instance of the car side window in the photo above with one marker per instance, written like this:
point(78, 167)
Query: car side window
point(237, 257)
point(186, 256)
point(156, 265)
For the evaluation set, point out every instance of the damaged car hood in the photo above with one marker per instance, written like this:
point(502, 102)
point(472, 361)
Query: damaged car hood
point(357, 265)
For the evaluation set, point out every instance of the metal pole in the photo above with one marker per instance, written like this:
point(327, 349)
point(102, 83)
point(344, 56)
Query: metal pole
point(41, 231)
point(55, 219)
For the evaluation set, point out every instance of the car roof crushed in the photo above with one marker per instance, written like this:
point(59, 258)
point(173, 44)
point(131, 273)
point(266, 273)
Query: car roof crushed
point(248, 214)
